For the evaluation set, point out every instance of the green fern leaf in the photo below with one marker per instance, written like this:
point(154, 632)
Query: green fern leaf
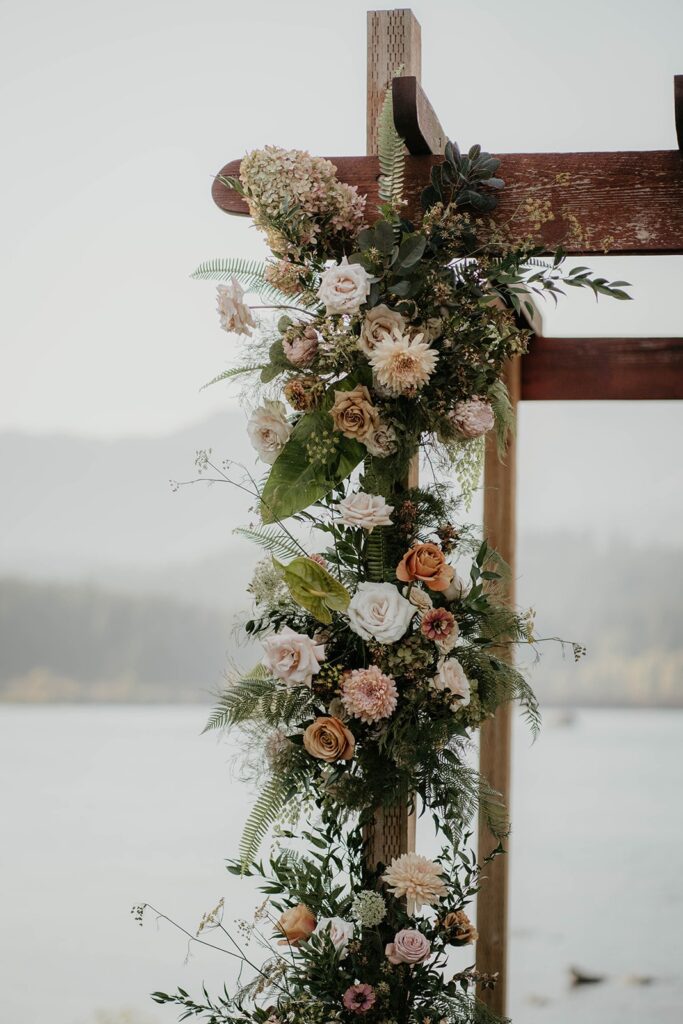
point(272, 539)
point(273, 797)
point(391, 154)
point(249, 273)
point(237, 371)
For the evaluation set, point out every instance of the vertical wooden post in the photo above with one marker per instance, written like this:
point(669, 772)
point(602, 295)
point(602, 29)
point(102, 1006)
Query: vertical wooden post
point(495, 737)
point(394, 41)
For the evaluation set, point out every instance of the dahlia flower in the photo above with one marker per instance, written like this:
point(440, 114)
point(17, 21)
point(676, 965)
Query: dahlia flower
point(402, 364)
point(417, 878)
point(369, 694)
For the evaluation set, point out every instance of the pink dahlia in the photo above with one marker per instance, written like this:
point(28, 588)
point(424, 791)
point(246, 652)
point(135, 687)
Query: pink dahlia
point(438, 624)
point(368, 694)
point(359, 998)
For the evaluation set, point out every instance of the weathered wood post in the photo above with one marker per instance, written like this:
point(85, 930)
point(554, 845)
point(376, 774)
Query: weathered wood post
point(394, 41)
point(495, 735)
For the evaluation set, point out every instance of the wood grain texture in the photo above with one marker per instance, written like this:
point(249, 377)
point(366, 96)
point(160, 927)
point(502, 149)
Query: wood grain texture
point(624, 202)
point(602, 369)
point(496, 733)
point(415, 118)
point(394, 41)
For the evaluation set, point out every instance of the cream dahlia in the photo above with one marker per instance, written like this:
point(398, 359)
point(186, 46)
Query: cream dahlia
point(369, 694)
point(417, 878)
point(401, 364)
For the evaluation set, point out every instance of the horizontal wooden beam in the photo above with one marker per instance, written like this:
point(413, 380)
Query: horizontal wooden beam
point(622, 202)
point(604, 369)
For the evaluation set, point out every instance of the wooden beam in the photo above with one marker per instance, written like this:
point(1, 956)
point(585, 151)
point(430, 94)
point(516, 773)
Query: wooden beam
point(678, 108)
point(622, 202)
point(415, 119)
point(602, 369)
point(394, 41)
point(495, 734)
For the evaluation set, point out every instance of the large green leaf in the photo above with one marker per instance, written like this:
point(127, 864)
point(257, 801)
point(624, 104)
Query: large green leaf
point(295, 482)
point(314, 588)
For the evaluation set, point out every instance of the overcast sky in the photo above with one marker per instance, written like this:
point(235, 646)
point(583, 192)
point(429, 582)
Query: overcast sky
point(115, 116)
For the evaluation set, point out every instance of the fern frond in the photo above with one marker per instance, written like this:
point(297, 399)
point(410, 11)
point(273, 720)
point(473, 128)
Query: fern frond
point(236, 371)
point(249, 273)
point(391, 153)
point(273, 797)
point(259, 699)
point(272, 539)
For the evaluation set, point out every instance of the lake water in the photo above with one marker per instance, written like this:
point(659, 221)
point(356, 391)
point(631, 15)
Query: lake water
point(103, 807)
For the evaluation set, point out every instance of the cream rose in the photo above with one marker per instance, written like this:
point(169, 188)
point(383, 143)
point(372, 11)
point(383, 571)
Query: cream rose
point(381, 441)
point(296, 924)
point(235, 315)
point(451, 679)
point(473, 418)
point(339, 931)
point(328, 739)
point(364, 510)
point(457, 588)
point(344, 287)
point(379, 324)
point(377, 611)
point(293, 657)
point(353, 413)
point(409, 947)
point(269, 430)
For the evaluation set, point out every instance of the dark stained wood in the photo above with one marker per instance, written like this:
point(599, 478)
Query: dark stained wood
point(415, 119)
point(604, 369)
point(678, 108)
point(625, 202)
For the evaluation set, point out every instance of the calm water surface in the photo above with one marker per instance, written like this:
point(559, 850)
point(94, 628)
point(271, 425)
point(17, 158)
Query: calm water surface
point(103, 807)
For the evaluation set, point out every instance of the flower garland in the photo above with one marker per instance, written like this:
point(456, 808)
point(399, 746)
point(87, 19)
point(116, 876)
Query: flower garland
point(379, 659)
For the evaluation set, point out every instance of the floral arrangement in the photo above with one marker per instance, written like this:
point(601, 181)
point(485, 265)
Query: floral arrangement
point(379, 658)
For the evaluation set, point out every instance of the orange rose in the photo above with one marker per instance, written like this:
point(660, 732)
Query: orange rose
point(427, 563)
point(297, 924)
point(354, 414)
point(329, 740)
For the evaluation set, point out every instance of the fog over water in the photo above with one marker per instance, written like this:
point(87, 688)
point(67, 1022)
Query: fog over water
point(109, 806)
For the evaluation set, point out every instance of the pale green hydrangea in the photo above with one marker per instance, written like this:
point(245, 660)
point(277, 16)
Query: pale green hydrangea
point(368, 908)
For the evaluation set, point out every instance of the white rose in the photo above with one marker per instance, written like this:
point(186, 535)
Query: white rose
point(379, 324)
point(269, 430)
point(451, 678)
point(378, 611)
point(473, 418)
point(293, 657)
point(339, 931)
point(234, 314)
point(456, 589)
point(344, 287)
point(364, 510)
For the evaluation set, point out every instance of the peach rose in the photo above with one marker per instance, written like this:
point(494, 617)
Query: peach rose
point(460, 928)
point(354, 414)
point(329, 740)
point(427, 563)
point(297, 924)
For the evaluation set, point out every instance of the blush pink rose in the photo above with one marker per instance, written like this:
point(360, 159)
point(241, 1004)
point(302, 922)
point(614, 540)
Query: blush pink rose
point(409, 947)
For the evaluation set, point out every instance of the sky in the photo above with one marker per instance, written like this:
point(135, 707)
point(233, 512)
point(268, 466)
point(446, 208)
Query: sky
point(115, 117)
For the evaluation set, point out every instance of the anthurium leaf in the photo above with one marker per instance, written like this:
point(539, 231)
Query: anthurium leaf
point(314, 588)
point(296, 480)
